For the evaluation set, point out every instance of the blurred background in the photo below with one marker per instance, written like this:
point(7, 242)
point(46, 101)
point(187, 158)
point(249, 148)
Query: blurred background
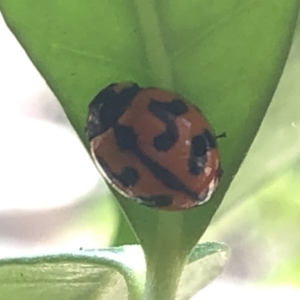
point(52, 197)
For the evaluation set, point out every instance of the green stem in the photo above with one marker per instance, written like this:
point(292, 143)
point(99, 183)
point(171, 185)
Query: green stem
point(155, 49)
point(165, 259)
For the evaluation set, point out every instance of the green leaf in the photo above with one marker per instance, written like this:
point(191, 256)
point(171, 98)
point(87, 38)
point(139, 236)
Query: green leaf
point(205, 263)
point(88, 274)
point(226, 56)
point(96, 274)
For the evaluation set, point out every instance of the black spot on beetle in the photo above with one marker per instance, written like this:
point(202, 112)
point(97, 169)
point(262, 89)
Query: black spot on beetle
point(126, 137)
point(176, 107)
point(107, 107)
point(128, 177)
point(167, 112)
point(196, 164)
point(200, 144)
point(167, 139)
point(210, 139)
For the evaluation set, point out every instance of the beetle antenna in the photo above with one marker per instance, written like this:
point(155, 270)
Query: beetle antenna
point(222, 135)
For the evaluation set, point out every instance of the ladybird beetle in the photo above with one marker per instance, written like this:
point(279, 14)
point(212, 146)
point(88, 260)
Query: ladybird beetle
point(153, 146)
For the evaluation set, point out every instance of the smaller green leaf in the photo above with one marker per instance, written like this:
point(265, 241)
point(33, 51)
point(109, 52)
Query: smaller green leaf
point(114, 273)
point(89, 274)
point(205, 263)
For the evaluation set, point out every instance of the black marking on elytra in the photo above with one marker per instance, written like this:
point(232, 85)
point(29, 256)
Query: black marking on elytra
point(196, 164)
point(210, 139)
point(167, 112)
point(200, 144)
point(197, 157)
point(129, 177)
point(176, 107)
point(162, 174)
point(107, 107)
point(126, 137)
point(167, 139)
point(127, 141)
point(157, 201)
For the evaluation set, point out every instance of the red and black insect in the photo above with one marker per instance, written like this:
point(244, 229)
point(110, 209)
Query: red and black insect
point(153, 146)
